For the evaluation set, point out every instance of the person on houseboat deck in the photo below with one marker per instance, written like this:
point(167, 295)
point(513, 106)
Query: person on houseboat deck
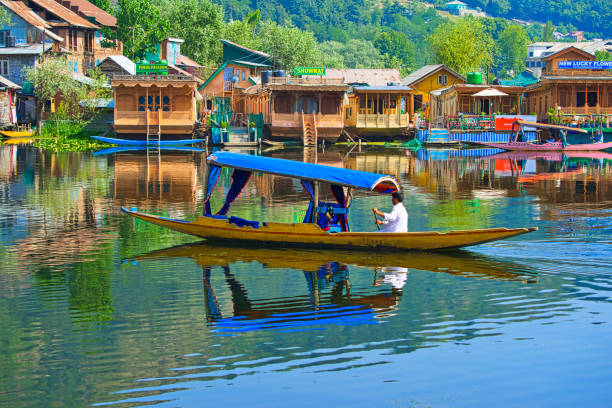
point(397, 219)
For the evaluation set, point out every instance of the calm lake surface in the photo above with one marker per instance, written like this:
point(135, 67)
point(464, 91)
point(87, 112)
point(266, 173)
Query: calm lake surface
point(98, 309)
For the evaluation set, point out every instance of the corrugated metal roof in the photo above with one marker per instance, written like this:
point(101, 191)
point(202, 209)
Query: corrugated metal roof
point(372, 77)
point(8, 83)
point(30, 17)
point(184, 60)
point(245, 48)
point(383, 88)
point(425, 71)
point(91, 10)
point(33, 49)
point(62, 12)
point(124, 62)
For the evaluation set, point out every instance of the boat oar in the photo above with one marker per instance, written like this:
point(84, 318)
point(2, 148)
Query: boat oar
point(376, 220)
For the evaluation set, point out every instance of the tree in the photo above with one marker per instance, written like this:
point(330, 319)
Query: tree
point(50, 78)
point(290, 46)
point(396, 48)
point(104, 5)
point(512, 44)
point(462, 45)
point(140, 26)
point(603, 55)
point(200, 24)
point(549, 32)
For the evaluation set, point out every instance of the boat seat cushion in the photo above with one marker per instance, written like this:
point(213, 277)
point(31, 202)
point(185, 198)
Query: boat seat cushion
point(241, 222)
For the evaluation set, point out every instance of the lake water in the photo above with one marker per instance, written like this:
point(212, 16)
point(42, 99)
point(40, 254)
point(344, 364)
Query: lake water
point(98, 309)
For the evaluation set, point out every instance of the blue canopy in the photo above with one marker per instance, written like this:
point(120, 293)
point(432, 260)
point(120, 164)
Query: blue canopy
point(306, 171)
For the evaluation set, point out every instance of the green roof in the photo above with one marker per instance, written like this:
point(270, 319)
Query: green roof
point(525, 78)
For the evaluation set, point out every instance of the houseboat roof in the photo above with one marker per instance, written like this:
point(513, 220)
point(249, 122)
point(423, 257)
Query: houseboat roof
point(306, 84)
point(153, 80)
point(390, 88)
point(427, 70)
point(306, 171)
point(186, 61)
point(358, 76)
point(242, 47)
point(91, 10)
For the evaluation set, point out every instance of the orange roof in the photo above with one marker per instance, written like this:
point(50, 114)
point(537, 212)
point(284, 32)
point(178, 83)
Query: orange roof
point(62, 12)
point(30, 17)
point(91, 10)
point(184, 60)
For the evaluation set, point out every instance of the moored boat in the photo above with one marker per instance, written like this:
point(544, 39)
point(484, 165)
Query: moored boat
point(558, 144)
point(18, 133)
point(325, 225)
point(127, 142)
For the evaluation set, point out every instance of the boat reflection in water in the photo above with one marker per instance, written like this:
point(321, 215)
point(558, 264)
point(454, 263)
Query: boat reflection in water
point(331, 299)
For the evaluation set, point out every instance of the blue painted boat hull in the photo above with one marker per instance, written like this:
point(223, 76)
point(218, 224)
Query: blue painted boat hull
point(124, 149)
point(126, 142)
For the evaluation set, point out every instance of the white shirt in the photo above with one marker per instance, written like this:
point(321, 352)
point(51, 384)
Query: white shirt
point(397, 220)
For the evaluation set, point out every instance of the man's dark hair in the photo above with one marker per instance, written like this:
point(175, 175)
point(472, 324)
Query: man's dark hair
point(398, 196)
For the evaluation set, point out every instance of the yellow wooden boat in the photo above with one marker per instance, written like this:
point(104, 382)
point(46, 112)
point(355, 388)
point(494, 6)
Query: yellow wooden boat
point(326, 224)
point(18, 133)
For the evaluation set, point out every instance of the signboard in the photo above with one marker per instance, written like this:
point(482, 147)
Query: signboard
point(309, 71)
point(585, 65)
point(152, 68)
point(504, 122)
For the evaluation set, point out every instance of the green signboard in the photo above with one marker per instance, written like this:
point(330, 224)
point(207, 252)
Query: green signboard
point(152, 68)
point(309, 71)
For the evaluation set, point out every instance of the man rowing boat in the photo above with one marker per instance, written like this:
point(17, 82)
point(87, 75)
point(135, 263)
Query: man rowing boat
point(397, 219)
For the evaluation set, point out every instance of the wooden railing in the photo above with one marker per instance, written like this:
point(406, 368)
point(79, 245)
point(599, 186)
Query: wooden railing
point(166, 118)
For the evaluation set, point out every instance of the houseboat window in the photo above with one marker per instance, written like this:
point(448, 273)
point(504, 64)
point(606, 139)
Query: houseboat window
point(141, 104)
point(362, 103)
point(580, 99)
point(4, 67)
point(330, 105)
point(403, 105)
point(244, 74)
point(442, 79)
point(166, 104)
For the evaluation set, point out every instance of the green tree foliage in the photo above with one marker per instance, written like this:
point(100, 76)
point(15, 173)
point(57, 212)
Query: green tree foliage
point(464, 45)
point(603, 55)
point(104, 5)
point(549, 30)
point(397, 50)
point(200, 24)
point(140, 26)
point(289, 46)
point(354, 53)
point(512, 45)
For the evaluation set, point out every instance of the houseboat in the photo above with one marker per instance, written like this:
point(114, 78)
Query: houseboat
point(572, 83)
point(308, 109)
point(154, 106)
point(378, 105)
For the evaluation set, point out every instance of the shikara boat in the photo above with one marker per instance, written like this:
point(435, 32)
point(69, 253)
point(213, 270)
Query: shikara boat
point(558, 144)
point(325, 225)
point(131, 149)
point(127, 142)
point(18, 133)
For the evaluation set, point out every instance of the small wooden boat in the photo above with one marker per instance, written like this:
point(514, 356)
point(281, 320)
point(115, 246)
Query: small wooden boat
point(325, 225)
point(18, 133)
point(517, 142)
point(127, 142)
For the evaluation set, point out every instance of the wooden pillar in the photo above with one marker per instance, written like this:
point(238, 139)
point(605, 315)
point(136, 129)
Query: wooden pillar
point(316, 200)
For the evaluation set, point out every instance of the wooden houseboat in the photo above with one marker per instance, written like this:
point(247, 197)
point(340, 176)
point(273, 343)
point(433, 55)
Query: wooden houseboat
point(154, 105)
point(572, 83)
point(308, 109)
point(375, 111)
